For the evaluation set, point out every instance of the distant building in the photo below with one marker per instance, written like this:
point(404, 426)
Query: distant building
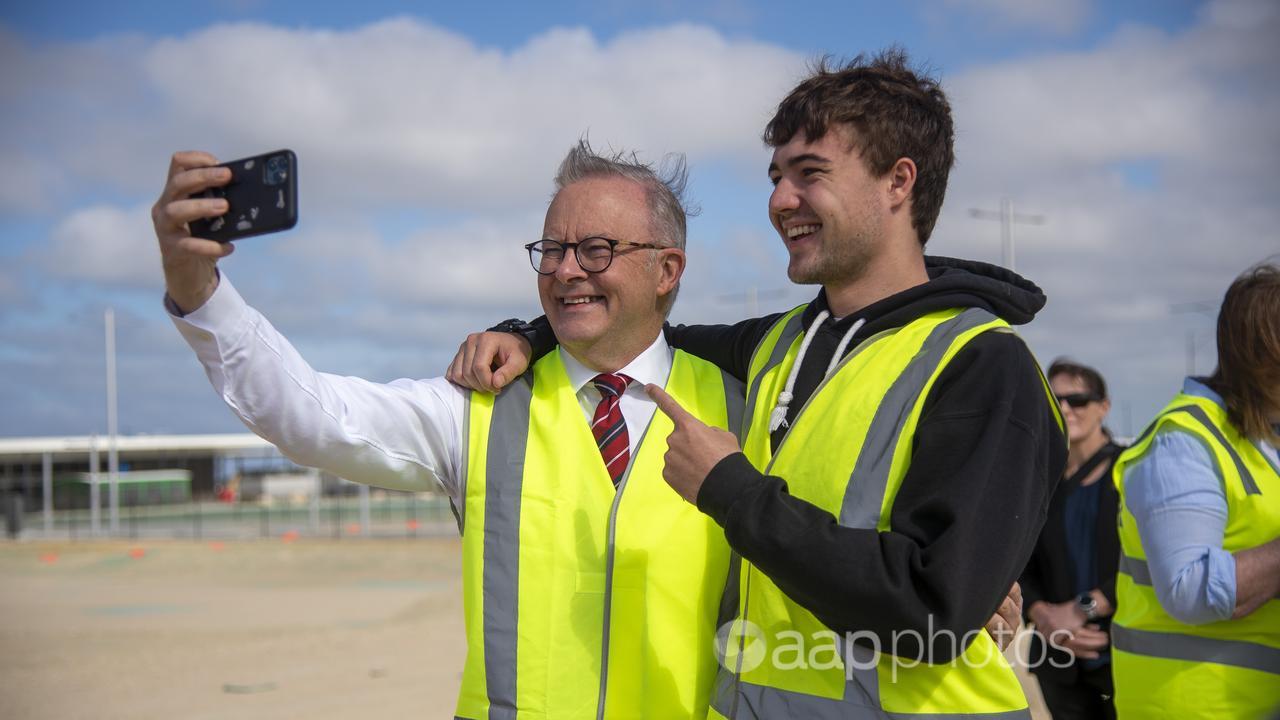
point(203, 464)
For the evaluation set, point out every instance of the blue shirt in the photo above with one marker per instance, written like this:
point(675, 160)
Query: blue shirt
point(1080, 523)
point(1176, 497)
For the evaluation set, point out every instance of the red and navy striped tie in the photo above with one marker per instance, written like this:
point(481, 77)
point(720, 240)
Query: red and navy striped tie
point(609, 427)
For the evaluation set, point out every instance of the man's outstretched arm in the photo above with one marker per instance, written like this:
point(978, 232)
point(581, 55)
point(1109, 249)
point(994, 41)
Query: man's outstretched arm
point(400, 435)
point(487, 361)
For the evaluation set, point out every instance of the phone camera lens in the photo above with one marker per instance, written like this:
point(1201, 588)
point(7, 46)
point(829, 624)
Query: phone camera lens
point(276, 171)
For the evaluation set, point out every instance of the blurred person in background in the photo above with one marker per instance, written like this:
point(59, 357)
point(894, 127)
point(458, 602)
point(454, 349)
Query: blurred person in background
point(1196, 632)
point(1068, 586)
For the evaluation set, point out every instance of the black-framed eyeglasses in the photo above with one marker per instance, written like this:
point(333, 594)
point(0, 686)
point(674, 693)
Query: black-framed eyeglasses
point(594, 254)
point(1079, 400)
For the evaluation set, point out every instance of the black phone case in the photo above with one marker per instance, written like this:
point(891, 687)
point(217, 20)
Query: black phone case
point(261, 201)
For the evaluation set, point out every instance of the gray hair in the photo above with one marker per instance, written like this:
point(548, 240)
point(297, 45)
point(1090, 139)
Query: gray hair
point(664, 185)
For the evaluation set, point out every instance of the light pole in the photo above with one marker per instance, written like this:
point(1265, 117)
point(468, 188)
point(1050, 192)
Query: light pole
point(1200, 306)
point(113, 457)
point(95, 494)
point(1007, 218)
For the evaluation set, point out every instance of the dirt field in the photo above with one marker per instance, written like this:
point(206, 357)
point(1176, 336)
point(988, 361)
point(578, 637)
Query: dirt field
point(268, 629)
point(316, 629)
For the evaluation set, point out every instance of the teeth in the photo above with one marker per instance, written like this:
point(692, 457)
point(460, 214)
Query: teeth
point(577, 301)
point(802, 230)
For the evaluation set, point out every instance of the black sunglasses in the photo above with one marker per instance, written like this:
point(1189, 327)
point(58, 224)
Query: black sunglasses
point(1079, 400)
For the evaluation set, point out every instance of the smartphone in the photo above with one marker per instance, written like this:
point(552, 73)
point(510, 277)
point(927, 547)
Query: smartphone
point(262, 194)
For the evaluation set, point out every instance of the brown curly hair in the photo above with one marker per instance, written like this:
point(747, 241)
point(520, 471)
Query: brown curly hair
point(895, 111)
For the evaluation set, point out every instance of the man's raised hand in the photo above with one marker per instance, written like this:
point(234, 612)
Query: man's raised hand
point(189, 263)
point(488, 361)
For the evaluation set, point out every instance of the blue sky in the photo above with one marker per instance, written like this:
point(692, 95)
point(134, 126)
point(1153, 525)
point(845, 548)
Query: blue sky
point(949, 27)
point(1145, 132)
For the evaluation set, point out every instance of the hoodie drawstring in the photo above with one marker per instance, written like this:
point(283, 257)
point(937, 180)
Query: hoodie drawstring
point(778, 418)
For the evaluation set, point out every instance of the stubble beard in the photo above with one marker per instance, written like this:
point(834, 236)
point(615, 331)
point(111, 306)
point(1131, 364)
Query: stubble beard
point(834, 263)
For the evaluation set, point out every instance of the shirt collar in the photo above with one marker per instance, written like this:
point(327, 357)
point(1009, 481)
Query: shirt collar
point(1196, 387)
point(651, 366)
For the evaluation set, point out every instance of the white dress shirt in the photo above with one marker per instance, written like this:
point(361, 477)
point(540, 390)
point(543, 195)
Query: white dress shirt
point(405, 434)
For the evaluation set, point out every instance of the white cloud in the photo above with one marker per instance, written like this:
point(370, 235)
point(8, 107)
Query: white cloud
point(104, 244)
point(394, 116)
point(426, 161)
point(475, 261)
point(1198, 112)
point(1199, 99)
point(397, 111)
point(472, 261)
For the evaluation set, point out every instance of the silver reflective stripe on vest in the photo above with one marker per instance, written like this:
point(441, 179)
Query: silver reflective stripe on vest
point(1136, 569)
point(1197, 412)
point(791, 331)
point(722, 694)
point(733, 396)
point(865, 492)
point(761, 703)
point(504, 473)
point(1193, 648)
point(734, 403)
point(732, 586)
point(723, 697)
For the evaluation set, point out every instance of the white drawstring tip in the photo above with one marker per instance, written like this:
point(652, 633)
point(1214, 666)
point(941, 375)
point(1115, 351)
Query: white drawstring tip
point(778, 418)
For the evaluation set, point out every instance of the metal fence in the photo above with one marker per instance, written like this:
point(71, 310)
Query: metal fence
point(382, 514)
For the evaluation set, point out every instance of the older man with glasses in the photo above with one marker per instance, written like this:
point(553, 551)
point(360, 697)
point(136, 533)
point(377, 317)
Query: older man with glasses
point(590, 589)
point(902, 442)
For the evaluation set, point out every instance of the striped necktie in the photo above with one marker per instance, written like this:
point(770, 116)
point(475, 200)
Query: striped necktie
point(609, 427)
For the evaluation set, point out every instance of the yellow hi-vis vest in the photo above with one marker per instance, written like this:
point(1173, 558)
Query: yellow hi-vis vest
point(1164, 668)
point(847, 452)
point(579, 601)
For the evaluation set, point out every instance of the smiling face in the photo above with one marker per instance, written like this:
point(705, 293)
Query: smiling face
point(1083, 423)
point(605, 319)
point(827, 207)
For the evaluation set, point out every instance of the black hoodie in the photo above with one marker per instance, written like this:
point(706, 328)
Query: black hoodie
point(986, 456)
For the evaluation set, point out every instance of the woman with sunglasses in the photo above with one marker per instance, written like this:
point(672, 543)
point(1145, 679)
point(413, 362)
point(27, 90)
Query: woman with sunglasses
point(1197, 625)
point(1069, 583)
point(1068, 587)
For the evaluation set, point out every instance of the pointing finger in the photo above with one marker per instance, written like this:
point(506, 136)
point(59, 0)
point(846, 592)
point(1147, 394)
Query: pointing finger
point(667, 404)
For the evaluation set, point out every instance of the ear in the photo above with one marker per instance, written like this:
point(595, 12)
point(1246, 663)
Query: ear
point(902, 180)
point(670, 268)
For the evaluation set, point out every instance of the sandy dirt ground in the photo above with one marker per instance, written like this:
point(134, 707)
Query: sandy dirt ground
point(309, 628)
point(317, 629)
